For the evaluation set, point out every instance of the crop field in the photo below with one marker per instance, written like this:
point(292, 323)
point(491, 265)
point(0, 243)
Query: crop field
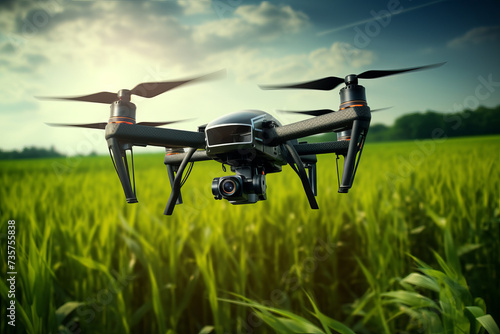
point(413, 248)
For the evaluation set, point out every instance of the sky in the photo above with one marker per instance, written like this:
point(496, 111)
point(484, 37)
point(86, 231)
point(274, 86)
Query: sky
point(68, 48)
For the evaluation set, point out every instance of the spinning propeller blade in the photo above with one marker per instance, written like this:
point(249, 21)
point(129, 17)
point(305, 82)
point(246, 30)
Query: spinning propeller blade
point(317, 112)
point(102, 125)
point(146, 89)
point(330, 83)
point(102, 97)
point(89, 125)
point(158, 123)
point(320, 112)
point(152, 89)
point(380, 109)
point(374, 74)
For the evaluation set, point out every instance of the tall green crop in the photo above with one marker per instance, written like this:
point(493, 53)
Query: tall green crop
point(88, 260)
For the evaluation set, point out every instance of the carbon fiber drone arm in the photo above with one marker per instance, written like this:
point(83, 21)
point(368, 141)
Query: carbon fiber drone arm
point(147, 135)
point(333, 121)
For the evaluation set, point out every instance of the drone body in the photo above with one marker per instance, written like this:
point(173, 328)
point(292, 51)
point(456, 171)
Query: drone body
point(253, 143)
point(237, 140)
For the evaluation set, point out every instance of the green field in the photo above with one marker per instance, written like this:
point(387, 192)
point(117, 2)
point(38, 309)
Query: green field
point(414, 247)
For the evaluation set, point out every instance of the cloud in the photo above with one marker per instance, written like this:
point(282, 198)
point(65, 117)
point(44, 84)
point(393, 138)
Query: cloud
point(28, 63)
point(196, 7)
point(101, 31)
point(476, 36)
point(250, 23)
point(109, 32)
point(7, 48)
point(266, 15)
point(7, 4)
point(38, 17)
point(249, 64)
point(341, 55)
point(36, 59)
point(13, 60)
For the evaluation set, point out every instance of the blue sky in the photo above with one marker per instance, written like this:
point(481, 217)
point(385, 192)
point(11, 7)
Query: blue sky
point(64, 48)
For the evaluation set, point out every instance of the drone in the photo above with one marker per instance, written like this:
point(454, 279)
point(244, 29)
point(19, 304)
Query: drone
point(252, 142)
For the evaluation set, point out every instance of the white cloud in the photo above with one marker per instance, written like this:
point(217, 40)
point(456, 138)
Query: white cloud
point(107, 33)
point(77, 48)
point(254, 65)
point(249, 23)
point(193, 7)
point(340, 56)
point(476, 36)
point(128, 33)
point(266, 15)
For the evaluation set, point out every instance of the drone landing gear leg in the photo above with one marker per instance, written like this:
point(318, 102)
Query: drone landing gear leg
point(171, 170)
point(356, 144)
point(294, 158)
point(118, 153)
point(176, 186)
point(312, 171)
point(313, 178)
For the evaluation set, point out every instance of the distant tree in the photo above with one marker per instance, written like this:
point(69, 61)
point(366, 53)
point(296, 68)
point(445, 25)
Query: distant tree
point(379, 132)
point(482, 121)
point(404, 127)
point(30, 153)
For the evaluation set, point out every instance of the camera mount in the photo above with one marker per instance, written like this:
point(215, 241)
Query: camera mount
point(247, 186)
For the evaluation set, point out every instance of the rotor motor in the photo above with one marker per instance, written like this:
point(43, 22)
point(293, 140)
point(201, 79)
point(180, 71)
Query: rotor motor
point(352, 95)
point(122, 111)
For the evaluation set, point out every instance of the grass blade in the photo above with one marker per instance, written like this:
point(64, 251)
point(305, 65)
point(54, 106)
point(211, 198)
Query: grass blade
point(489, 324)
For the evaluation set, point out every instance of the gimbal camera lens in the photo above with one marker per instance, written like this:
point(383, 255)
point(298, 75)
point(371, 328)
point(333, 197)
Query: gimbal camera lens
point(228, 187)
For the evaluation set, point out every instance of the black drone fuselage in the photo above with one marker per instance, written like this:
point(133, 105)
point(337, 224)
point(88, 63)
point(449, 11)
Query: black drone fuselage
point(237, 139)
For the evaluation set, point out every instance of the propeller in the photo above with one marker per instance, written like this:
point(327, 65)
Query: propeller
point(88, 125)
point(102, 125)
point(320, 112)
point(330, 83)
point(102, 97)
point(145, 89)
point(317, 112)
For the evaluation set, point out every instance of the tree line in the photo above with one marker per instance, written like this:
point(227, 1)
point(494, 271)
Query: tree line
point(33, 152)
point(30, 153)
point(482, 121)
